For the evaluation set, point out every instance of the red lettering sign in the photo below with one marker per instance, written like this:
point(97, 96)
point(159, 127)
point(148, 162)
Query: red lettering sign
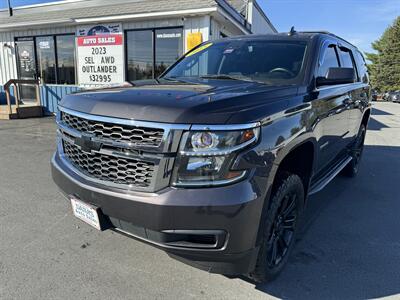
point(100, 40)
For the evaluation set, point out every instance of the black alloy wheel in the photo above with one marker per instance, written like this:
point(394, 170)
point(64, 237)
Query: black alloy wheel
point(282, 231)
point(279, 227)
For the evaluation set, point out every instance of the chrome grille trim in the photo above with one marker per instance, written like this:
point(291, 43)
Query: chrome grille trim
point(145, 136)
point(160, 158)
point(169, 141)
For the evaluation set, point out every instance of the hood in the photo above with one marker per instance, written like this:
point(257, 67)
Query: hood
point(201, 102)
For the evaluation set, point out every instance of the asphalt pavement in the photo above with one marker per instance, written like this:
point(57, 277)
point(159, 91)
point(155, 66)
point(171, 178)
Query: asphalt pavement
point(349, 247)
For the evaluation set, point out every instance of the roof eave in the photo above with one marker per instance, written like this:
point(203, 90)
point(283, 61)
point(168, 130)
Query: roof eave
point(177, 13)
point(112, 18)
point(255, 3)
point(234, 16)
point(9, 26)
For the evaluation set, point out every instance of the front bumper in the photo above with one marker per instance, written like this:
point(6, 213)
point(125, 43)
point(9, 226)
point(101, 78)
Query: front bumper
point(231, 213)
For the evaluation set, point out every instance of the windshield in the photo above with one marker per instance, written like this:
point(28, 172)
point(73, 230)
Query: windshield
point(269, 62)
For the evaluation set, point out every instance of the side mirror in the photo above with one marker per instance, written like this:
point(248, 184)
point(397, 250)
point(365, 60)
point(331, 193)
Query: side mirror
point(337, 76)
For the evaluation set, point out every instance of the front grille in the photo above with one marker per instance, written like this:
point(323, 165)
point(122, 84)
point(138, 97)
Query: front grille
point(143, 136)
point(108, 168)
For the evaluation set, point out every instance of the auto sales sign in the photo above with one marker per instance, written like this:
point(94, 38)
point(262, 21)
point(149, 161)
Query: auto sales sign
point(100, 55)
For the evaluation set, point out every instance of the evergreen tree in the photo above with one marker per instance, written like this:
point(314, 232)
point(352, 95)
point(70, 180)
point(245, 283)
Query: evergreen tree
point(385, 67)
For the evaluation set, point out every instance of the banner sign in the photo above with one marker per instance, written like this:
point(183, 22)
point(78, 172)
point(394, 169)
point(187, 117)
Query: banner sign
point(100, 50)
point(99, 29)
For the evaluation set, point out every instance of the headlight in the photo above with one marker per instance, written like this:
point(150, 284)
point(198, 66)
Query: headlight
point(205, 157)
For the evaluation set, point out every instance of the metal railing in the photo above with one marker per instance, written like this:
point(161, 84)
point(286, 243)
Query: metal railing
point(13, 83)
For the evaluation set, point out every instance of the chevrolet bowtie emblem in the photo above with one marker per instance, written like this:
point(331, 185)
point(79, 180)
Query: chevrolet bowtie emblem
point(87, 144)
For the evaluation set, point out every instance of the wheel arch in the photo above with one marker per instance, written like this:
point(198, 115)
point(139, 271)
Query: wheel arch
point(298, 158)
point(284, 157)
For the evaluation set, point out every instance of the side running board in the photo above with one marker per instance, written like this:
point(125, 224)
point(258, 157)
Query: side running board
point(323, 182)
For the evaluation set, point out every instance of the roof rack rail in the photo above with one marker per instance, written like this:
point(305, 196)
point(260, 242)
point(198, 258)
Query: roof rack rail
point(328, 33)
point(317, 31)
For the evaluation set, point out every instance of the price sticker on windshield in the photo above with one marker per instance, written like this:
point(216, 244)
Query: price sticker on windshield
point(201, 48)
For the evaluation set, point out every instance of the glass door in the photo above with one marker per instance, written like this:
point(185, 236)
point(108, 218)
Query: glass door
point(26, 66)
point(45, 52)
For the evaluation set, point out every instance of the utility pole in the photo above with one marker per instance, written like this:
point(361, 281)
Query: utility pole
point(10, 10)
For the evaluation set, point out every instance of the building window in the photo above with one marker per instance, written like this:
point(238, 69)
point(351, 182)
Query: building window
point(54, 58)
point(66, 59)
point(139, 54)
point(150, 52)
point(169, 47)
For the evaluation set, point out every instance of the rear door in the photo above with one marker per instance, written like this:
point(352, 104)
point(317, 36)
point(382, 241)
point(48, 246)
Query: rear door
point(361, 90)
point(331, 107)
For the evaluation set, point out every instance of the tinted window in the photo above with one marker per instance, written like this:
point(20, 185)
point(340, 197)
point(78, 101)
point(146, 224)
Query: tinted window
point(151, 52)
point(345, 58)
point(46, 59)
point(140, 54)
point(66, 59)
point(169, 47)
point(265, 61)
point(205, 63)
point(329, 60)
point(361, 67)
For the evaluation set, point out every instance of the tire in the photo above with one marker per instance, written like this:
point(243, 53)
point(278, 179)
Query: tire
point(279, 228)
point(351, 170)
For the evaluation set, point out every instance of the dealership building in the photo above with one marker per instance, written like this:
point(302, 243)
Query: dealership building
point(52, 49)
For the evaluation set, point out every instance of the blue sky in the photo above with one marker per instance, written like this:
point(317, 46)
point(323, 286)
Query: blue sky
point(359, 21)
point(3, 3)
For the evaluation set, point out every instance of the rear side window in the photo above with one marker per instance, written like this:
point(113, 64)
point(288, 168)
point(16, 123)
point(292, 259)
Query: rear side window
point(329, 60)
point(346, 58)
point(361, 67)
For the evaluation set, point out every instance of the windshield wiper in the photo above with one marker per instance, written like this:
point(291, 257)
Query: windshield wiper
point(172, 78)
point(226, 77)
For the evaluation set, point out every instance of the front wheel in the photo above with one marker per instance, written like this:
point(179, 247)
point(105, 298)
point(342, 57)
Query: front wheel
point(279, 228)
point(351, 170)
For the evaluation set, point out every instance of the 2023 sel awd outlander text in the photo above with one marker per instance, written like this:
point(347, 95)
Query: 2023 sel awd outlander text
point(213, 161)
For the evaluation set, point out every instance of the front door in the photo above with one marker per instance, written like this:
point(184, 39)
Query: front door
point(26, 66)
point(331, 107)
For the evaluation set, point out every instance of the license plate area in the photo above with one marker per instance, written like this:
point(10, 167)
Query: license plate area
point(86, 212)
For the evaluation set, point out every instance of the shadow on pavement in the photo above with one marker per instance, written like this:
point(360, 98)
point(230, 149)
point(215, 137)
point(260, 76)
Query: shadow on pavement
point(378, 112)
point(375, 125)
point(349, 247)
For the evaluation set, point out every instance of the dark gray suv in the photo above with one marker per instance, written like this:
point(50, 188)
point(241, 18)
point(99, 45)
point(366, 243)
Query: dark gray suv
point(213, 161)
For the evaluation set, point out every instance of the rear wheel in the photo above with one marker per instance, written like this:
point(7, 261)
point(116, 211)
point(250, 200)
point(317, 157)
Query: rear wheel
point(352, 168)
point(279, 228)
